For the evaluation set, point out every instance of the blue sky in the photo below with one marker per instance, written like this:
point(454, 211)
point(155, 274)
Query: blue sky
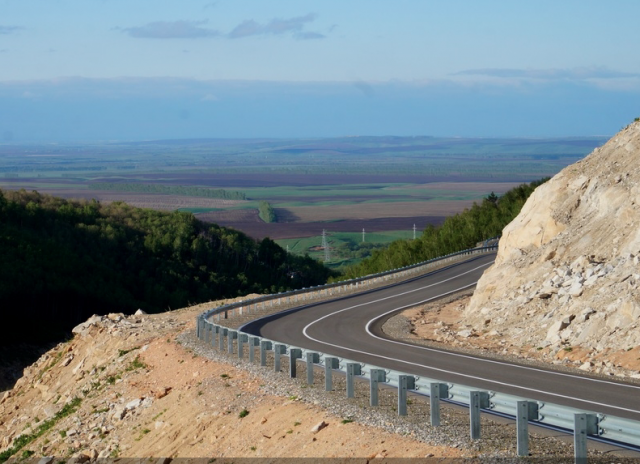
point(143, 69)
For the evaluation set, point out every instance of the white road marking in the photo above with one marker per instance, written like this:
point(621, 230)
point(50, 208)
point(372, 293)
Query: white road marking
point(367, 328)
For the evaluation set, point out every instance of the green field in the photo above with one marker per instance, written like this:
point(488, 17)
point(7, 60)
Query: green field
point(346, 248)
point(198, 210)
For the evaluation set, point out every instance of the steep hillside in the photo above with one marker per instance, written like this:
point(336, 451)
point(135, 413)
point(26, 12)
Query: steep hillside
point(62, 261)
point(567, 275)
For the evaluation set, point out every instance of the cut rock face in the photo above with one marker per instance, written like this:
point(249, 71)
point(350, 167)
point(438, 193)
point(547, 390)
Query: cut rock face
point(575, 246)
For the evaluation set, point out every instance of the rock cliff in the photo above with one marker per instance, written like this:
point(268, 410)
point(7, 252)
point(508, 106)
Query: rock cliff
point(567, 274)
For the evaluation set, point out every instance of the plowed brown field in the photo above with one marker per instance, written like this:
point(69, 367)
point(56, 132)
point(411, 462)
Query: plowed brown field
point(378, 210)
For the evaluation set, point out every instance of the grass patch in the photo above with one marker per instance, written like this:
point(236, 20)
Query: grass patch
point(136, 364)
point(143, 432)
point(123, 352)
point(158, 415)
point(346, 421)
point(244, 413)
point(112, 379)
point(24, 440)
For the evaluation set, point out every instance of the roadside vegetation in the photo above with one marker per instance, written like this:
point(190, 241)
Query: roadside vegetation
point(62, 261)
point(461, 231)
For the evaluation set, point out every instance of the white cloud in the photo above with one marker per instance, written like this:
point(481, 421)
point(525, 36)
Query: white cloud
point(171, 30)
point(277, 26)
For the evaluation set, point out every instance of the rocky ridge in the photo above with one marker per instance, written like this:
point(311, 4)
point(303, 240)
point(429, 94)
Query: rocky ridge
point(567, 274)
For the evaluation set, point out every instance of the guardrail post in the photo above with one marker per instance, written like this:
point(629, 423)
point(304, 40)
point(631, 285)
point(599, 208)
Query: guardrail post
point(353, 369)
point(203, 331)
point(477, 401)
point(223, 332)
point(214, 331)
point(405, 382)
point(253, 342)
point(377, 375)
point(525, 411)
point(231, 335)
point(329, 365)
point(198, 322)
point(294, 353)
point(437, 391)
point(278, 349)
point(584, 424)
point(312, 358)
point(264, 346)
point(241, 339)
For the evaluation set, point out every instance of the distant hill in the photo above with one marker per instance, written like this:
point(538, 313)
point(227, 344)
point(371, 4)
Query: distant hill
point(62, 261)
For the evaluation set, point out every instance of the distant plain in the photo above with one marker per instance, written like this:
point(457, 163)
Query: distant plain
point(384, 185)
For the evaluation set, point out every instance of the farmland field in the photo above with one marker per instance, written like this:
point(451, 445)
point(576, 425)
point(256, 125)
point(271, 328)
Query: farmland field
point(381, 184)
point(345, 248)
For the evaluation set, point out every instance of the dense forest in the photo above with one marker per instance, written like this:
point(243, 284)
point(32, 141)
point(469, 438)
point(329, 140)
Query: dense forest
point(62, 261)
point(480, 222)
point(169, 190)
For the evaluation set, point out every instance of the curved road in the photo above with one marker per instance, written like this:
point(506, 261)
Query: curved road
point(350, 327)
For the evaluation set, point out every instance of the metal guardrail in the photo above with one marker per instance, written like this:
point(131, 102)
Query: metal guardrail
point(581, 423)
point(305, 295)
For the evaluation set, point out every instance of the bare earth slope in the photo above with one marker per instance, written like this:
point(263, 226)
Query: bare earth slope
point(567, 275)
point(140, 391)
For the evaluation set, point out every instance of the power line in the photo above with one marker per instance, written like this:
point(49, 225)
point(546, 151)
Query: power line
point(325, 245)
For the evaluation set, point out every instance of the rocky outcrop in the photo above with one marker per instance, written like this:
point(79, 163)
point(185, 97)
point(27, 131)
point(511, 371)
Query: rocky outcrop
point(567, 272)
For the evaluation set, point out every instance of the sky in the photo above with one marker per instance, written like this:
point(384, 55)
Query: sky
point(100, 70)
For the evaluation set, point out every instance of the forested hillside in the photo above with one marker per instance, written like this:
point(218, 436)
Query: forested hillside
point(62, 261)
point(459, 232)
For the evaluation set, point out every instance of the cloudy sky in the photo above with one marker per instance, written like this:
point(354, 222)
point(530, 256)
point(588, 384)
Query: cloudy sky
point(144, 69)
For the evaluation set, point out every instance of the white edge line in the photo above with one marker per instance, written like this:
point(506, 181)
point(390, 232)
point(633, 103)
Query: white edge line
point(304, 331)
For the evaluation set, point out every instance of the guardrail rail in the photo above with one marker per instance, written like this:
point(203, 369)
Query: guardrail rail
point(582, 424)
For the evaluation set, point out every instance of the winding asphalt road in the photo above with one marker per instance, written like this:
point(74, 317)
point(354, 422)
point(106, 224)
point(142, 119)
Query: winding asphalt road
point(350, 327)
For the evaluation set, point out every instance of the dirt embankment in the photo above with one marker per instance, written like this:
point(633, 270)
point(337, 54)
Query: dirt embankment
point(128, 387)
